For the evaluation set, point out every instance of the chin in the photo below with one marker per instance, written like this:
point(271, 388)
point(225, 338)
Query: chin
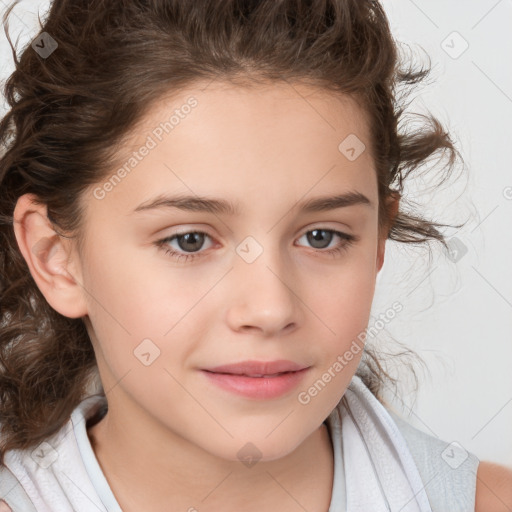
point(252, 452)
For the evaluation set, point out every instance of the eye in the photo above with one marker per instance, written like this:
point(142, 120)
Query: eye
point(188, 240)
point(193, 241)
point(324, 237)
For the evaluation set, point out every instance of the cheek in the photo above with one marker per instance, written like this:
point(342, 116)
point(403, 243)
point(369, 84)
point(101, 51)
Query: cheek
point(343, 305)
point(131, 301)
point(124, 287)
point(345, 291)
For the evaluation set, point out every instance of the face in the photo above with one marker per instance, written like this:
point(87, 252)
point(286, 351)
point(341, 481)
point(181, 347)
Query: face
point(172, 291)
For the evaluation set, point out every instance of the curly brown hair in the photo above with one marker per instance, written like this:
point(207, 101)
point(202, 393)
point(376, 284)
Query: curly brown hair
point(71, 109)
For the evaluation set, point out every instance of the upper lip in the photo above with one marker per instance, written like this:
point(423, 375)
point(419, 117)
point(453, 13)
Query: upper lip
point(258, 367)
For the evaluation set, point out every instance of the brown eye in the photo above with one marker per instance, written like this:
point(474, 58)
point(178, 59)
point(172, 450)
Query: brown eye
point(190, 241)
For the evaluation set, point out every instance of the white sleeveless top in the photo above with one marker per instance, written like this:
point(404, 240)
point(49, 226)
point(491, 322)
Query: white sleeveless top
point(380, 463)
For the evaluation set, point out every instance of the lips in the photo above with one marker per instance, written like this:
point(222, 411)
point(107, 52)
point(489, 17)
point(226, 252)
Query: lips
point(258, 368)
point(258, 380)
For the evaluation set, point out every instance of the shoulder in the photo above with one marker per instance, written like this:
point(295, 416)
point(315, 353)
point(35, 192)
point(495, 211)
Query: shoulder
point(448, 471)
point(493, 488)
point(4, 507)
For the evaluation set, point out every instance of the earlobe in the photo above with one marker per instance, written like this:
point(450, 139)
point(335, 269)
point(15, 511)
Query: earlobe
point(380, 254)
point(392, 204)
point(48, 257)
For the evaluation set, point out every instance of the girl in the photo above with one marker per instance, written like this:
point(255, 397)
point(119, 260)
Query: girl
point(141, 374)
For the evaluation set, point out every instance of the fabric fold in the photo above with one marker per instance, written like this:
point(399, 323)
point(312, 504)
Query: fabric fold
point(380, 472)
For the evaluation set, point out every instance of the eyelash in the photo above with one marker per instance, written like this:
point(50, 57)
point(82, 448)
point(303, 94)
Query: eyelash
point(162, 244)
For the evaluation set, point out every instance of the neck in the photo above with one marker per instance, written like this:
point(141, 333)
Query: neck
point(149, 472)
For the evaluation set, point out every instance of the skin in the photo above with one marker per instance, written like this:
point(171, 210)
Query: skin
point(493, 488)
point(170, 436)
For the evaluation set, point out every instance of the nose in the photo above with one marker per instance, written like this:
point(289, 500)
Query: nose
point(262, 295)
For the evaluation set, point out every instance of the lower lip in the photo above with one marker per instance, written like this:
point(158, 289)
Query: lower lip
point(257, 387)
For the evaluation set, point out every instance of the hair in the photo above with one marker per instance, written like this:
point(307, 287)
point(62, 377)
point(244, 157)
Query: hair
point(68, 113)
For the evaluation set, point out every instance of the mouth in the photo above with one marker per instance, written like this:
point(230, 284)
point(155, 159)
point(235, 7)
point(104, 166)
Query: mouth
point(260, 384)
point(259, 368)
point(252, 375)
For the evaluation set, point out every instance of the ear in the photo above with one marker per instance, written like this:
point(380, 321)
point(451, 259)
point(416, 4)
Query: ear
point(49, 257)
point(392, 205)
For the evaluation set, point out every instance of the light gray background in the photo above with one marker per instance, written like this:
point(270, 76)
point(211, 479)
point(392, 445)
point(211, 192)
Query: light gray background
point(457, 311)
point(458, 315)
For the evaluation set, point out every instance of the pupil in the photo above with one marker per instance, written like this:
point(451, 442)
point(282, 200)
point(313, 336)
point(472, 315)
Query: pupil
point(195, 238)
point(317, 235)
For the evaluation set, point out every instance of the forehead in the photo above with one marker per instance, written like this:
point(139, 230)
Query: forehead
point(302, 109)
point(221, 139)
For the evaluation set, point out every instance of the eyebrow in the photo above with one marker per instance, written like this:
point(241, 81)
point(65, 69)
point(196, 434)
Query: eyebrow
point(221, 206)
